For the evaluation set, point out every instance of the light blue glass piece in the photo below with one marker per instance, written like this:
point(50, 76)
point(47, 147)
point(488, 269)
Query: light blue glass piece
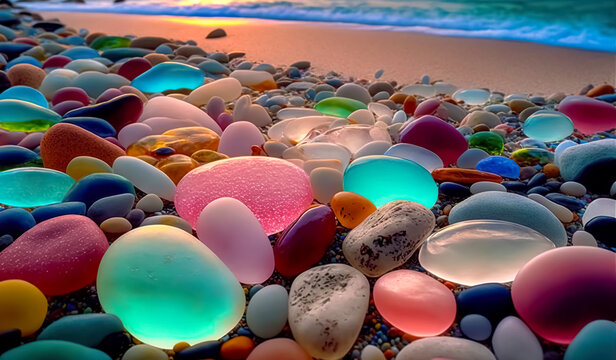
point(472, 96)
point(73, 40)
point(169, 76)
point(80, 52)
point(23, 60)
point(548, 125)
point(18, 115)
point(31, 187)
point(25, 93)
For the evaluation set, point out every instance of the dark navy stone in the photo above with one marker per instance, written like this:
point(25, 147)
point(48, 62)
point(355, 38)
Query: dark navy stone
point(97, 186)
point(96, 126)
point(598, 176)
point(491, 300)
point(537, 180)
point(54, 210)
point(14, 155)
point(603, 228)
point(334, 82)
point(135, 217)
point(204, 350)
point(541, 190)
point(13, 50)
point(50, 26)
point(607, 98)
point(5, 83)
point(111, 206)
point(15, 221)
point(294, 73)
point(453, 189)
point(115, 344)
point(9, 339)
point(553, 185)
point(569, 202)
point(119, 111)
point(164, 151)
point(5, 241)
point(516, 186)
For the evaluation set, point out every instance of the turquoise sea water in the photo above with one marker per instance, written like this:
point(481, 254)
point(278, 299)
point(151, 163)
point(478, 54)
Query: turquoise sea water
point(586, 24)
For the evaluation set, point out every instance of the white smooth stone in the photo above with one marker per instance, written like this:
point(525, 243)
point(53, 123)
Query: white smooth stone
point(144, 176)
point(562, 213)
point(362, 116)
point(355, 92)
point(319, 151)
point(399, 117)
point(228, 89)
point(81, 65)
point(513, 340)
point(165, 106)
point(132, 133)
point(56, 80)
point(161, 124)
point(372, 148)
point(238, 138)
point(424, 157)
point(251, 77)
point(379, 109)
point(150, 203)
point(445, 347)
point(573, 188)
point(257, 115)
point(483, 186)
point(454, 112)
point(372, 352)
point(470, 158)
point(275, 148)
point(267, 311)
point(326, 182)
point(599, 207)
point(583, 238)
point(295, 130)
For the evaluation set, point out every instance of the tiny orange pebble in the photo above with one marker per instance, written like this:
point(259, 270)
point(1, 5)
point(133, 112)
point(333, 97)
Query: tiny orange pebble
point(551, 171)
point(450, 285)
point(398, 98)
point(237, 348)
point(389, 354)
point(180, 346)
point(410, 104)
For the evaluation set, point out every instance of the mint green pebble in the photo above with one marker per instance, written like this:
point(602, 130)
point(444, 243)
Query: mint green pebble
point(19, 115)
point(548, 125)
point(339, 106)
point(487, 141)
point(110, 42)
point(53, 350)
point(382, 179)
point(169, 76)
point(167, 286)
point(597, 340)
point(31, 187)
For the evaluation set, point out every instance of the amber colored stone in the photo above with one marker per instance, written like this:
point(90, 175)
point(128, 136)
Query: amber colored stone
point(410, 104)
point(149, 159)
point(263, 86)
point(464, 176)
point(518, 105)
point(26, 74)
point(398, 98)
point(237, 348)
point(551, 171)
point(480, 128)
point(187, 141)
point(180, 346)
point(176, 166)
point(604, 89)
point(351, 208)
point(207, 156)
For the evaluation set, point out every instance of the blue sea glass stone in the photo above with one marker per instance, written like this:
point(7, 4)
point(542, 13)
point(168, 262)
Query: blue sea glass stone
point(169, 76)
point(80, 52)
point(13, 50)
point(122, 53)
point(31, 187)
point(596, 340)
point(54, 210)
point(15, 221)
point(23, 60)
point(548, 125)
point(499, 165)
point(25, 93)
point(94, 125)
point(18, 115)
point(97, 186)
point(11, 155)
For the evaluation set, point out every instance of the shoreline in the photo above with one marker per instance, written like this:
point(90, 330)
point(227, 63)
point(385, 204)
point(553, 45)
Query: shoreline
point(502, 65)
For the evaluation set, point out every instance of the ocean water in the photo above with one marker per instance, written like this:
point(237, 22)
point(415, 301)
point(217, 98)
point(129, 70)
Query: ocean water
point(586, 24)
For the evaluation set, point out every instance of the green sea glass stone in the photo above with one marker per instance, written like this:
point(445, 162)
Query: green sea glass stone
point(548, 125)
point(169, 76)
point(31, 187)
point(18, 115)
point(110, 42)
point(167, 286)
point(532, 156)
point(54, 350)
point(487, 141)
point(382, 179)
point(339, 106)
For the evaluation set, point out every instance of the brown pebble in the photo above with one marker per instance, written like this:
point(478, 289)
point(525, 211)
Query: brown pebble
point(116, 225)
point(188, 50)
point(551, 171)
point(148, 42)
point(27, 75)
point(216, 33)
point(447, 209)
point(156, 59)
point(398, 98)
point(480, 128)
point(518, 105)
point(90, 38)
point(3, 38)
point(604, 89)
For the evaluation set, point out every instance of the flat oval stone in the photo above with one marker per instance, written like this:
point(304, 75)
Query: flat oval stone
point(267, 311)
point(276, 191)
point(238, 138)
point(388, 237)
point(169, 76)
point(464, 176)
point(19, 115)
point(594, 341)
point(532, 156)
point(513, 340)
point(280, 349)
point(11, 155)
point(22, 307)
point(124, 52)
point(496, 205)
point(228, 89)
point(351, 209)
point(25, 93)
point(165, 106)
point(97, 186)
point(208, 289)
point(481, 251)
point(548, 291)
point(15, 221)
point(418, 154)
point(487, 141)
point(491, 300)
point(339, 106)
point(84, 329)
point(547, 125)
point(445, 347)
point(476, 327)
point(425, 312)
point(54, 350)
point(470, 158)
point(586, 162)
point(256, 80)
point(589, 115)
point(47, 212)
point(144, 176)
point(31, 187)
point(382, 179)
point(327, 306)
point(98, 127)
point(484, 186)
point(499, 165)
point(118, 111)
point(472, 96)
point(82, 65)
point(111, 206)
point(598, 207)
point(58, 256)
point(354, 91)
point(82, 166)
point(95, 83)
point(326, 182)
point(602, 228)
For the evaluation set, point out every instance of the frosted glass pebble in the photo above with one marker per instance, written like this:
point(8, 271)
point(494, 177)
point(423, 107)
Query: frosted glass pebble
point(256, 80)
point(583, 238)
point(422, 156)
point(313, 151)
point(378, 147)
point(573, 188)
point(81, 65)
point(228, 89)
point(476, 327)
point(472, 96)
point(326, 182)
point(144, 176)
point(177, 109)
point(379, 109)
point(291, 112)
point(238, 138)
point(483, 186)
point(362, 116)
point(599, 207)
point(513, 340)
point(132, 133)
point(267, 311)
point(424, 90)
point(372, 352)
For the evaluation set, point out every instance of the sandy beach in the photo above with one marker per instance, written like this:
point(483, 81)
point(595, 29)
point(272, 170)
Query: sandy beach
point(506, 66)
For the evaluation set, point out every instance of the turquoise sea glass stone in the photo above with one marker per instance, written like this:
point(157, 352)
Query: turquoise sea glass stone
point(382, 179)
point(596, 340)
point(23, 60)
point(169, 76)
point(54, 350)
point(339, 106)
point(80, 52)
point(110, 42)
point(548, 125)
point(25, 93)
point(166, 286)
point(19, 115)
point(487, 141)
point(122, 53)
point(31, 187)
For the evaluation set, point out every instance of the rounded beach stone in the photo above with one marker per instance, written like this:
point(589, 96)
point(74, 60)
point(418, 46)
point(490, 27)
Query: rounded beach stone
point(405, 225)
point(280, 349)
point(144, 176)
point(119, 111)
point(228, 89)
point(54, 350)
point(476, 327)
point(238, 138)
point(116, 225)
point(84, 329)
point(169, 76)
point(589, 115)
point(255, 80)
point(110, 206)
point(26, 74)
point(589, 164)
point(15, 221)
point(483, 186)
point(267, 311)
point(513, 340)
point(327, 306)
point(22, 306)
point(63, 142)
point(150, 203)
point(372, 352)
point(97, 186)
point(548, 291)
point(64, 208)
point(237, 348)
point(472, 96)
point(491, 300)
point(325, 182)
point(354, 91)
point(420, 313)
point(445, 347)
point(351, 209)
point(58, 256)
point(547, 125)
point(487, 141)
point(144, 352)
point(499, 165)
point(481, 117)
point(164, 253)
point(594, 341)
point(276, 191)
point(165, 106)
point(418, 154)
point(496, 205)
point(82, 166)
point(583, 238)
point(134, 68)
point(573, 188)
point(470, 158)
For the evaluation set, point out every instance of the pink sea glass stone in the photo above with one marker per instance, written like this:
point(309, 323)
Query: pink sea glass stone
point(59, 255)
point(589, 115)
point(134, 67)
point(560, 291)
point(234, 234)
point(436, 135)
point(56, 61)
point(66, 106)
point(414, 302)
point(276, 191)
point(71, 93)
point(238, 138)
point(427, 107)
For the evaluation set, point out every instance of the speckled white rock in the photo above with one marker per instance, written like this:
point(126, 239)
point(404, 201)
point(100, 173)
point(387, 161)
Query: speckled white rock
point(513, 340)
point(327, 306)
point(483, 186)
point(372, 352)
point(238, 138)
point(326, 182)
point(267, 311)
point(445, 347)
point(562, 213)
point(388, 237)
point(144, 176)
point(573, 188)
point(583, 238)
point(150, 203)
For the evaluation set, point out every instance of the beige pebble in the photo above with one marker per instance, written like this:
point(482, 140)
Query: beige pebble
point(573, 188)
point(326, 182)
point(583, 238)
point(310, 165)
point(27, 75)
point(116, 225)
point(562, 213)
point(150, 203)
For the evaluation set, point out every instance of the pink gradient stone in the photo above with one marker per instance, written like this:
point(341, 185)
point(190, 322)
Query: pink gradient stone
point(11, 137)
point(234, 234)
point(108, 95)
point(414, 302)
point(276, 191)
point(436, 135)
point(560, 291)
point(32, 140)
point(58, 256)
point(427, 107)
point(589, 115)
point(238, 138)
point(71, 93)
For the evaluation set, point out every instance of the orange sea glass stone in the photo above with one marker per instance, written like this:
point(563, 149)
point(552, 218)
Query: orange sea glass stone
point(207, 156)
point(351, 208)
point(187, 141)
point(237, 348)
point(176, 166)
point(464, 176)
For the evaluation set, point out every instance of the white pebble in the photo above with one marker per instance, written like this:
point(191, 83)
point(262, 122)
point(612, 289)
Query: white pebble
point(573, 188)
point(583, 238)
point(372, 352)
point(150, 203)
point(483, 186)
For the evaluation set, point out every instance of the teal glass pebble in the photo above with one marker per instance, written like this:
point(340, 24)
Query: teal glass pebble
point(169, 76)
point(80, 52)
point(18, 115)
point(31, 187)
point(23, 60)
point(122, 53)
point(110, 42)
point(472, 96)
point(53, 350)
point(597, 340)
point(25, 93)
point(382, 179)
point(72, 40)
point(7, 32)
point(548, 125)
point(339, 106)
point(487, 141)
point(84, 329)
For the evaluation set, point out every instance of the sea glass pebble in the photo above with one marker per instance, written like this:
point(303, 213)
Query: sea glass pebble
point(256, 80)
point(84, 329)
point(594, 341)
point(472, 96)
point(549, 290)
point(186, 140)
point(228, 89)
point(82, 166)
point(382, 179)
point(499, 165)
point(351, 208)
point(25, 93)
point(589, 115)
point(513, 340)
point(267, 311)
point(165, 106)
point(339, 106)
point(138, 282)
point(547, 125)
point(532, 156)
point(54, 350)
point(19, 115)
point(144, 176)
point(97, 186)
point(418, 154)
point(30, 187)
point(487, 141)
point(476, 327)
point(481, 251)
point(276, 191)
point(598, 207)
point(22, 306)
point(425, 312)
point(169, 76)
point(238, 138)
